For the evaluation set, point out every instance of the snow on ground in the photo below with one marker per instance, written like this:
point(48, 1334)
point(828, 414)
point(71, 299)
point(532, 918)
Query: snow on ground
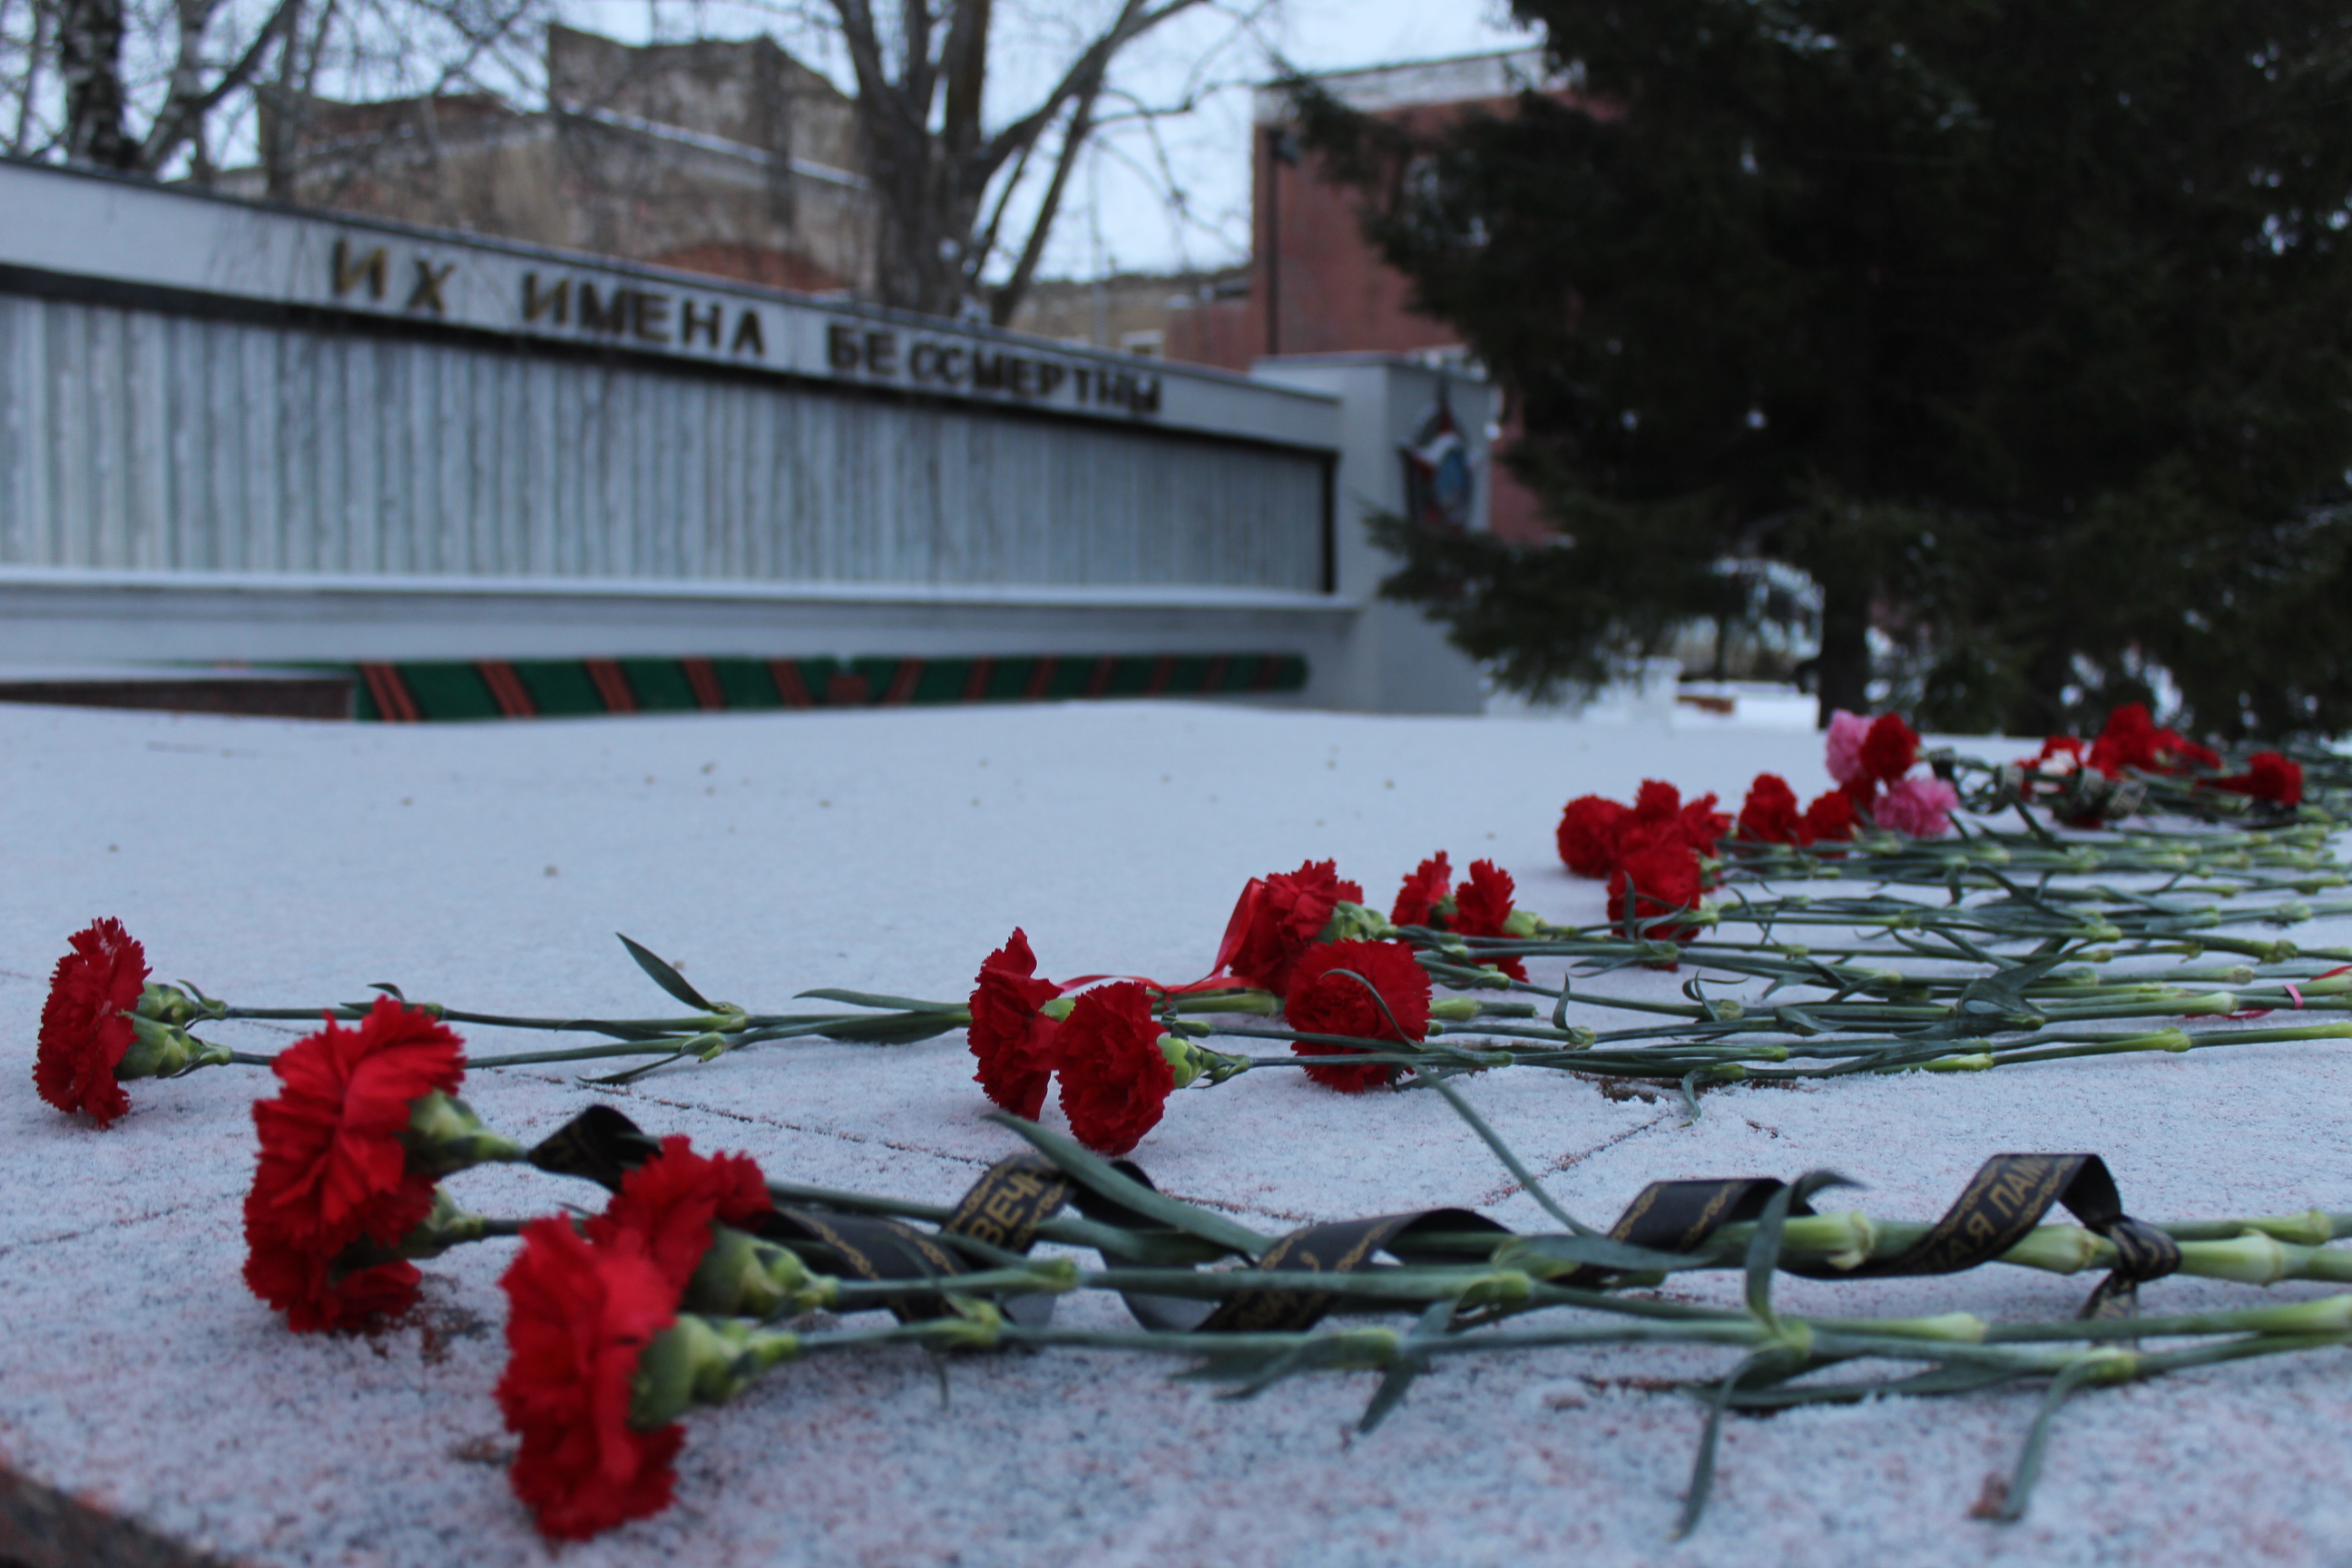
point(279, 863)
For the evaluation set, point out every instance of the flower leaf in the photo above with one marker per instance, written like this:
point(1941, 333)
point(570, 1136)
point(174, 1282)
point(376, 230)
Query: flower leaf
point(1082, 1165)
point(668, 979)
point(871, 999)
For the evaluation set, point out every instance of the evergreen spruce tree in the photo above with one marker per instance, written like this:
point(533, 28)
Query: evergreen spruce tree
point(2024, 327)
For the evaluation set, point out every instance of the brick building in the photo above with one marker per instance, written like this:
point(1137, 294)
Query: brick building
point(1315, 285)
point(718, 157)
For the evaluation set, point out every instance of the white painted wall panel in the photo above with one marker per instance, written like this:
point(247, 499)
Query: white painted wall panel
point(131, 439)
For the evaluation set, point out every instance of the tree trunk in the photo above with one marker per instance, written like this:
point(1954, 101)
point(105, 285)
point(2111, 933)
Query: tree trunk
point(90, 60)
point(1844, 667)
point(279, 106)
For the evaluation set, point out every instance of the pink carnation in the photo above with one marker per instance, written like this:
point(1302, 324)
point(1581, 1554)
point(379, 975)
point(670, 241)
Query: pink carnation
point(1921, 807)
point(1843, 758)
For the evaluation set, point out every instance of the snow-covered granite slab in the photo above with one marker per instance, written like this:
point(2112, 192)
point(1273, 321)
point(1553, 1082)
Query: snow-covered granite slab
point(283, 863)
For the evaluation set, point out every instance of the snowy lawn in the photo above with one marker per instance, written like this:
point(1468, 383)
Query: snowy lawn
point(489, 866)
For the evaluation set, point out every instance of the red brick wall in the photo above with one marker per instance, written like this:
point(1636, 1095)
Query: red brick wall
point(1317, 287)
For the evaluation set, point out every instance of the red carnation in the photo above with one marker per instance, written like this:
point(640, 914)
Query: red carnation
point(1588, 835)
point(1656, 801)
point(2184, 755)
point(1666, 880)
point(1770, 814)
point(2127, 740)
point(334, 1170)
point(1831, 816)
point(83, 1031)
point(1428, 886)
point(1323, 1001)
point(1659, 809)
point(1597, 835)
point(2269, 775)
point(1013, 1042)
point(1701, 826)
point(1481, 904)
point(1889, 749)
point(2131, 740)
point(319, 1292)
point(1115, 1079)
point(672, 1200)
point(579, 1315)
point(1278, 917)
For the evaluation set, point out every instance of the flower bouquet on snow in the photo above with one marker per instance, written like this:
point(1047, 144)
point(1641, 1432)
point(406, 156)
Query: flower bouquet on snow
point(699, 1276)
point(1356, 1000)
point(1350, 996)
point(105, 1022)
point(2133, 766)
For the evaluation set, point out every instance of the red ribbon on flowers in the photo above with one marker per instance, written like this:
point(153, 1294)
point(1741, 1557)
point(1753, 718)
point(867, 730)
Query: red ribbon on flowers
point(2292, 990)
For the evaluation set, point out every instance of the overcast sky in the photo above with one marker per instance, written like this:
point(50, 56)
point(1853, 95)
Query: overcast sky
point(1120, 216)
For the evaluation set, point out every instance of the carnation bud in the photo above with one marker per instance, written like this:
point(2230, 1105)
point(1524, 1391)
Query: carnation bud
point(1507, 1289)
point(1523, 924)
point(170, 1005)
point(742, 1277)
point(1182, 1058)
point(1354, 922)
point(696, 1360)
point(1858, 1237)
point(164, 1050)
point(1058, 1009)
point(446, 1227)
point(2254, 1257)
point(2328, 1315)
point(972, 1326)
point(444, 1135)
point(2109, 1364)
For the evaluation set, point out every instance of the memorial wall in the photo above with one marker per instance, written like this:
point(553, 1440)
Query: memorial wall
point(232, 431)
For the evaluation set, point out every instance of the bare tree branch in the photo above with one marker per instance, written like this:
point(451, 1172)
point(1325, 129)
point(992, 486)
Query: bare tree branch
point(1008, 297)
point(184, 109)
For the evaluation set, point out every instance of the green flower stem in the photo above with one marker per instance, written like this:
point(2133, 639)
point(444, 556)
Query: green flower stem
point(1048, 1277)
point(2260, 1250)
point(1265, 1003)
point(702, 1360)
point(1819, 1341)
point(2175, 1040)
point(1068, 1230)
point(2254, 1252)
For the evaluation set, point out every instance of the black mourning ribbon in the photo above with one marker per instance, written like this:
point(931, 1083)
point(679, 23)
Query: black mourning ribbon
point(2003, 1202)
point(1003, 1209)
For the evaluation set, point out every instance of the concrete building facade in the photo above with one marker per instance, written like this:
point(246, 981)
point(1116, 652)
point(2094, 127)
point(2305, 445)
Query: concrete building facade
point(230, 431)
point(725, 157)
